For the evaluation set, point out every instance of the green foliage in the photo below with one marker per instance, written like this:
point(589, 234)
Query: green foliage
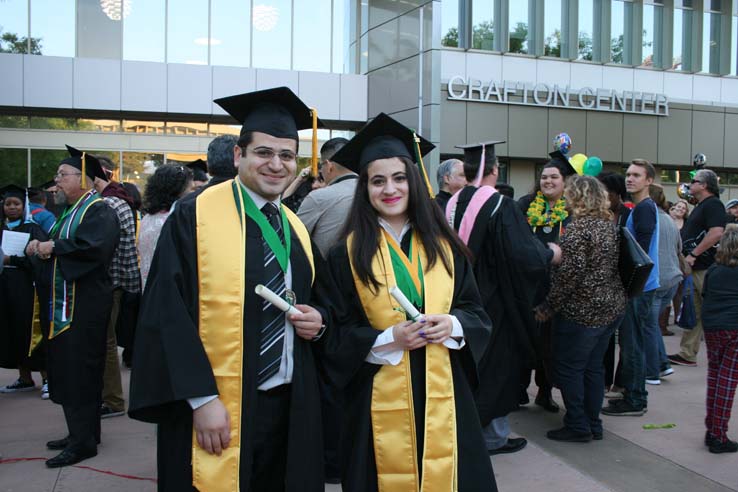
point(13, 166)
point(451, 38)
point(584, 50)
point(12, 43)
point(483, 36)
point(552, 46)
point(519, 38)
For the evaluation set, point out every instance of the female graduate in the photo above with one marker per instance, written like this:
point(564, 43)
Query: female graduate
point(411, 424)
point(18, 298)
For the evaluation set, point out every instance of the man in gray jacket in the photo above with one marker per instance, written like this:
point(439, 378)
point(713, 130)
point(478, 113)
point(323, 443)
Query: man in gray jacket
point(324, 211)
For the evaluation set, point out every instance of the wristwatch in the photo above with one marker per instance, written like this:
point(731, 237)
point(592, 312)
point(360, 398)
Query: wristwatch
point(321, 332)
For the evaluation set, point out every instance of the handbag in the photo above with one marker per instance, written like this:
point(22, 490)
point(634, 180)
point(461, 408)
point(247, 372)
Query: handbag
point(687, 315)
point(634, 264)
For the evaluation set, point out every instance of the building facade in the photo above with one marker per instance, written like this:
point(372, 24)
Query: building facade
point(135, 79)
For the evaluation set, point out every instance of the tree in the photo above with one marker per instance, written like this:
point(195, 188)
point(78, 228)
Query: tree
point(11, 43)
point(553, 44)
point(483, 36)
point(584, 50)
point(519, 38)
point(451, 38)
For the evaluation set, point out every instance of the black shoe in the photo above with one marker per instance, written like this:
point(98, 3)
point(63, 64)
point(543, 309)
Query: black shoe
point(547, 403)
point(597, 436)
point(567, 435)
point(523, 398)
point(70, 457)
point(621, 408)
point(333, 480)
point(106, 412)
point(58, 444)
point(513, 445)
point(724, 447)
point(710, 439)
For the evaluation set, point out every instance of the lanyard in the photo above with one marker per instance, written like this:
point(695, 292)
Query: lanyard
point(281, 251)
point(408, 273)
point(67, 212)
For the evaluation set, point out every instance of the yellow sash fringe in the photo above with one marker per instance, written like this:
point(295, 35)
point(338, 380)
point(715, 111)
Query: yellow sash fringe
point(393, 421)
point(221, 268)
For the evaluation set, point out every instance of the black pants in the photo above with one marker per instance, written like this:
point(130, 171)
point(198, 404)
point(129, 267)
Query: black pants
point(83, 422)
point(544, 364)
point(333, 411)
point(270, 440)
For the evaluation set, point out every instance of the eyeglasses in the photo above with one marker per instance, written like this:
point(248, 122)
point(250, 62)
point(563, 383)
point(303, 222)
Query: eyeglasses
point(268, 154)
point(63, 175)
point(696, 181)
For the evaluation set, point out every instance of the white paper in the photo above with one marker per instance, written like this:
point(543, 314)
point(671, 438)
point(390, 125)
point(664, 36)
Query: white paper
point(14, 243)
point(410, 310)
point(277, 301)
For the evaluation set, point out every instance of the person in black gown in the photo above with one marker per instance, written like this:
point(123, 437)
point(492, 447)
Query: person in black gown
point(23, 289)
point(394, 217)
point(233, 413)
point(80, 250)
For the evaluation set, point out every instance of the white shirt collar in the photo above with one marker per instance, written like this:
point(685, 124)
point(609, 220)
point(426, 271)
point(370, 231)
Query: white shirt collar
point(405, 228)
point(259, 200)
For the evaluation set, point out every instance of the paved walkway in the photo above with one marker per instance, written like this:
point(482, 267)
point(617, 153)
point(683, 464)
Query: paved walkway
point(628, 459)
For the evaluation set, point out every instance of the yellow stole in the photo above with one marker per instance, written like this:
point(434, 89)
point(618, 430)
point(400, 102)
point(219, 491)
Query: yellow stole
point(221, 268)
point(393, 420)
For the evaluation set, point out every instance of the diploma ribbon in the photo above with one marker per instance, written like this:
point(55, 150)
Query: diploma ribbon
point(281, 251)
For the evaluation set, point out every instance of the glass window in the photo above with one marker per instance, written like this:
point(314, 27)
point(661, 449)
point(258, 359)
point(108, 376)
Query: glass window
point(682, 40)
point(621, 27)
point(14, 27)
point(648, 36)
point(144, 30)
point(44, 164)
point(216, 130)
point(272, 34)
point(586, 29)
point(192, 129)
point(340, 26)
point(312, 36)
point(450, 22)
point(734, 43)
point(552, 28)
point(52, 24)
point(483, 26)
point(306, 141)
point(519, 27)
point(230, 38)
point(8, 121)
point(15, 166)
point(133, 126)
point(100, 125)
point(99, 28)
point(138, 166)
point(187, 31)
point(41, 123)
point(711, 21)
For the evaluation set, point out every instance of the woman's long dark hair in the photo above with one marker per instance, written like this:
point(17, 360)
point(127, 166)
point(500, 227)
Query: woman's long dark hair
point(424, 215)
point(165, 186)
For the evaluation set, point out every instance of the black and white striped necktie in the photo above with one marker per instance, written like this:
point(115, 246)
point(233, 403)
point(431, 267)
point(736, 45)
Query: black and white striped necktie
point(272, 326)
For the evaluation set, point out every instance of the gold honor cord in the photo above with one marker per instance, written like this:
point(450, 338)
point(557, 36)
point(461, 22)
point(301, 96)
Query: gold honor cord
point(419, 156)
point(221, 259)
point(392, 415)
point(36, 333)
point(84, 166)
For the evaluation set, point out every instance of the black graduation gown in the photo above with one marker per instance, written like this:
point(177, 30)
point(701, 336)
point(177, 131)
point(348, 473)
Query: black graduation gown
point(346, 366)
point(511, 269)
point(76, 357)
point(18, 282)
point(170, 364)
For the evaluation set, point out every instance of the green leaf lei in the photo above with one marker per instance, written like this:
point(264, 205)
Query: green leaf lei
point(537, 215)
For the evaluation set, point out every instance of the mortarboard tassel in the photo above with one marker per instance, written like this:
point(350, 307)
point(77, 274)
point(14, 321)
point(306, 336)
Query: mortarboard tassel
point(419, 157)
point(84, 174)
point(27, 217)
point(480, 173)
point(314, 161)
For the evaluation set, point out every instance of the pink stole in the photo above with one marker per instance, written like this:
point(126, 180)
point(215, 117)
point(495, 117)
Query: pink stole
point(480, 197)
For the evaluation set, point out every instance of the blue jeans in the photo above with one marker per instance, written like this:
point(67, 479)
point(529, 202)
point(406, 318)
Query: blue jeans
point(496, 433)
point(656, 360)
point(578, 371)
point(632, 349)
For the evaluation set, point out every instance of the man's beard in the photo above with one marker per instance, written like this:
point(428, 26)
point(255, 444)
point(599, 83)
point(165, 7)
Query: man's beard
point(60, 198)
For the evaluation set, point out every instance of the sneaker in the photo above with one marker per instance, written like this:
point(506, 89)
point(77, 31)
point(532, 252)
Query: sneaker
point(567, 435)
point(18, 387)
point(667, 372)
point(680, 361)
point(45, 390)
point(621, 408)
point(724, 447)
point(615, 392)
point(106, 412)
point(653, 381)
point(710, 440)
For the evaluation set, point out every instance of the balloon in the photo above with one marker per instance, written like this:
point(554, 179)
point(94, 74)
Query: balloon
point(562, 143)
point(593, 166)
point(577, 162)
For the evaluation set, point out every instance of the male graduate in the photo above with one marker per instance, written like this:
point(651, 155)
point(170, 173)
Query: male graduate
point(511, 268)
point(230, 379)
point(81, 248)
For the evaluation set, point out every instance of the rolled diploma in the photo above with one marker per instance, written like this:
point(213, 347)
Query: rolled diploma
point(413, 313)
point(278, 302)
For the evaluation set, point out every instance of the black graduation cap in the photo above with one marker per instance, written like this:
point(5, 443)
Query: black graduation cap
point(87, 163)
point(382, 138)
point(473, 152)
point(198, 164)
point(562, 162)
point(277, 112)
point(45, 186)
point(14, 191)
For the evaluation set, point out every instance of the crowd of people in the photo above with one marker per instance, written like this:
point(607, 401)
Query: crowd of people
point(399, 328)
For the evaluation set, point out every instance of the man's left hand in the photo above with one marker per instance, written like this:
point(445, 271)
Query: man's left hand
point(44, 250)
point(690, 260)
point(307, 324)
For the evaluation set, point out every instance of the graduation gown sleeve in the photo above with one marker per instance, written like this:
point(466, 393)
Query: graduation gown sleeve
point(170, 363)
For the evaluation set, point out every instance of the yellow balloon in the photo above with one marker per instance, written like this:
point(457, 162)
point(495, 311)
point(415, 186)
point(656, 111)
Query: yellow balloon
point(577, 162)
